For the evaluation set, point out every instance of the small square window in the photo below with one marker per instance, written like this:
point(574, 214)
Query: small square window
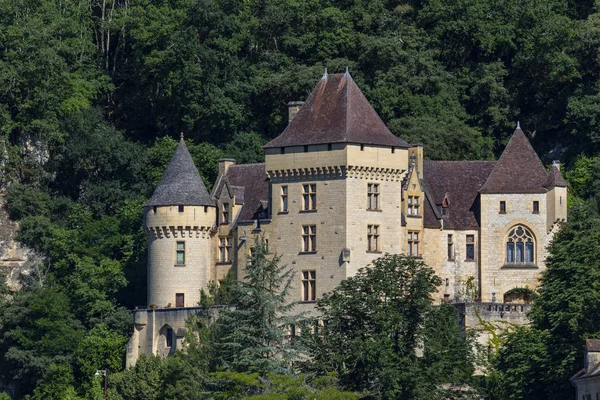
point(181, 208)
point(503, 207)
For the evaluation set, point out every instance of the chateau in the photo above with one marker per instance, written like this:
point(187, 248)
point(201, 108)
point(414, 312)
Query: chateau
point(337, 190)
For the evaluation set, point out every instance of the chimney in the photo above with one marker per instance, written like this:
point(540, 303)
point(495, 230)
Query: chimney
point(224, 164)
point(293, 108)
point(592, 354)
point(556, 163)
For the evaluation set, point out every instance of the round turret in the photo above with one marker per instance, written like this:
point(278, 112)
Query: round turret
point(179, 220)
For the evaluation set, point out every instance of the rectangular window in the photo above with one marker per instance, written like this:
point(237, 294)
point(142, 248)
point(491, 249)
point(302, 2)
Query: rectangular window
point(470, 247)
point(309, 238)
point(413, 243)
point(309, 285)
point(225, 213)
point(450, 248)
point(180, 259)
point(179, 300)
point(225, 249)
point(502, 207)
point(536, 207)
point(169, 335)
point(181, 208)
point(372, 196)
point(284, 199)
point(372, 237)
point(413, 205)
point(309, 196)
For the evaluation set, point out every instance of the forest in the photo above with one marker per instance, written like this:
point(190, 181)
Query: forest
point(94, 94)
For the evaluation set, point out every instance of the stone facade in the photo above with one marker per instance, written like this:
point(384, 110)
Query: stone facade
point(338, 190)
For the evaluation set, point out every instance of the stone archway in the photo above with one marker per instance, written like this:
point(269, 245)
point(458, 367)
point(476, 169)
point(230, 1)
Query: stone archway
point(166, 341)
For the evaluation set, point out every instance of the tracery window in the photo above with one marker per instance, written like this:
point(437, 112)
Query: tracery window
point(520, 246)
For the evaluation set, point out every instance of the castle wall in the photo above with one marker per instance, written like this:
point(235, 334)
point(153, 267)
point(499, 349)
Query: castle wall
point(497, 276)
point(165, 228)
point(329, 219)
point(358, 218)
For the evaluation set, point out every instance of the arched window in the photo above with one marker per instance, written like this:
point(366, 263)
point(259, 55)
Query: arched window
point(520, 246)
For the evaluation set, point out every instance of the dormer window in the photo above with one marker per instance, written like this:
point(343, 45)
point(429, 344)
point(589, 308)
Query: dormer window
point(225, 213)
point(413, 205)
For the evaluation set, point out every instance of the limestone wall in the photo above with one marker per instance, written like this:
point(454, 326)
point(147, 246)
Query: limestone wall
point(329, 219)
point(497, 276)
point(165, 228)
point(387, 218)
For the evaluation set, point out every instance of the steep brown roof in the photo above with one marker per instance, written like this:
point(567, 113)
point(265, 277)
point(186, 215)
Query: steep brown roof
point(460, 182)
point(336, 112)
point(181, 183)
point(555, 179)
point(249, 183)
point(519, 169)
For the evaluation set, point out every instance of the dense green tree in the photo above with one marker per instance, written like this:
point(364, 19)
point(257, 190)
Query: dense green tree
point(252, 337)
point(375, 321)
point(38, 330)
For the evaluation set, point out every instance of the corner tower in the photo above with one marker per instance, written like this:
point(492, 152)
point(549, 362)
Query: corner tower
point(179, 220)
point(336, 181)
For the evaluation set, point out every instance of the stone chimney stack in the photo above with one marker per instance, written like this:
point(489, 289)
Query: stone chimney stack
point(224, 164)
point(592, 354)
point(556, 163)
point(293, 108)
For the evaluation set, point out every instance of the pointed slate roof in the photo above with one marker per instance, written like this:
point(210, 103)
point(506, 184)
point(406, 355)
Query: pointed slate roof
point(181, 184)
point(336, 112)
point(555, 179)
point(519, 169)
point(249, 184)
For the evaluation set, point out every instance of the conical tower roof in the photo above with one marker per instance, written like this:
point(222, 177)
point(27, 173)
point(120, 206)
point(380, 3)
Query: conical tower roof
point(336, 112)
point(181, 183)
point(519, 169)
point(555, 179)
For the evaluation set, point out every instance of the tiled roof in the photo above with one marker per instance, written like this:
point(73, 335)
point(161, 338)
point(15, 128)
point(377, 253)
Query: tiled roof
point(519, 169)
point(430, 214)
point(460, 181)
point(555, 179)
point(592, 372)
point(336, 112)
point(249, 182)
point(181, 184)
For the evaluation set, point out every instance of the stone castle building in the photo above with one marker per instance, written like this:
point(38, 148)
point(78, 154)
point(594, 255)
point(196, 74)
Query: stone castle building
point(337, 190)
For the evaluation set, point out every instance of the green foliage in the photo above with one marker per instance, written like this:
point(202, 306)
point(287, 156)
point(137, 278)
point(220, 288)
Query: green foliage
point(251, 337)
point(537, 362)
point(38, 330)
point(375, 322)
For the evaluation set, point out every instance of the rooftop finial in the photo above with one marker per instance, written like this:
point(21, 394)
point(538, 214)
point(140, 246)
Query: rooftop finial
point(324, 78)
point(347, 73)
point(181, 135)
point(518, 125)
